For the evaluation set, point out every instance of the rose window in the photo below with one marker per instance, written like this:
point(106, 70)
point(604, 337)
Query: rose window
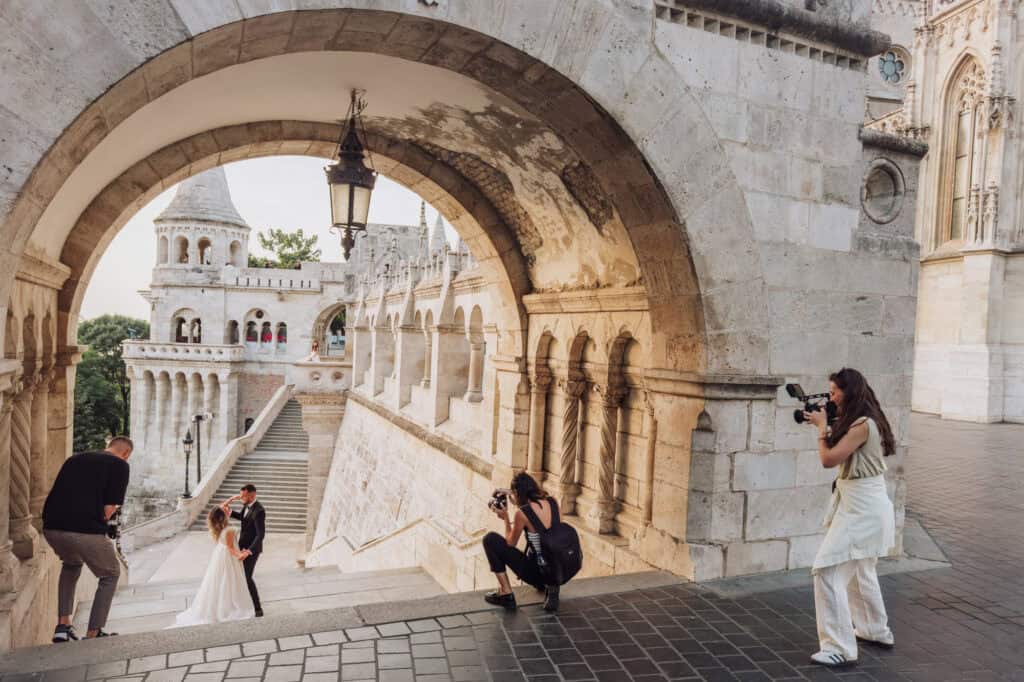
point(891, 66)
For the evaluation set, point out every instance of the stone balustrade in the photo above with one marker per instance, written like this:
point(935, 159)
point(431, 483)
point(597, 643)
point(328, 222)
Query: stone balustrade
point(324, 376)
point(191, 352)
point(270, 278)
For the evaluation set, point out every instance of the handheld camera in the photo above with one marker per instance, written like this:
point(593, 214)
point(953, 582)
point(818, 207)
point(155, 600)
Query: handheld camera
point(812, 403)
point(499, 499)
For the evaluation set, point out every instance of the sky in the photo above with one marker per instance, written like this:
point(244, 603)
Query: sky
point(287, 192)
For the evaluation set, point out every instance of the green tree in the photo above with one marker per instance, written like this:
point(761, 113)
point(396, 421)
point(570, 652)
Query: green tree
point(102, 389)
point(289, 248)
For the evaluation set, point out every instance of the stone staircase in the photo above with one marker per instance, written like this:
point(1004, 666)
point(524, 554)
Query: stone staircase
point(278, 469)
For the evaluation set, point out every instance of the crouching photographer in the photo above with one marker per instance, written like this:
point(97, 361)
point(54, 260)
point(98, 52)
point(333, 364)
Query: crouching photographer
point(553, 555)
point(847, 600)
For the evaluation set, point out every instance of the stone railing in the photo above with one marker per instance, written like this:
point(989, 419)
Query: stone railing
point(177, 521)
point(189, 352)
point(325, 376)
point(270, 278)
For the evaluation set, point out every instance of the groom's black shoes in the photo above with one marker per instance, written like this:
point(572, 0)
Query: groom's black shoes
point(259, 613)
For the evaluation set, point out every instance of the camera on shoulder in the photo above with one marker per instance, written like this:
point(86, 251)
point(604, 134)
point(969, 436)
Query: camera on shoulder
point(813, 402)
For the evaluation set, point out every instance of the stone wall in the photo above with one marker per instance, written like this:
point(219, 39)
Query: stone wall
point(254, 390)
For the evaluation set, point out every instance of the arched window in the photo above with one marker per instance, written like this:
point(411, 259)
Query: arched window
point(161, 250)
point(251, 335)
point(266, 336)
point(235, 254)
point(180, 334)
point(205, 251)
point(961, 154)
point(180, 249)
point(282, 335)
point(196, 331)
point(233, 332)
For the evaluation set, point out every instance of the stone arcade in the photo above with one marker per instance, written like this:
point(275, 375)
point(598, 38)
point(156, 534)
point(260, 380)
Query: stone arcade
point(663, 201)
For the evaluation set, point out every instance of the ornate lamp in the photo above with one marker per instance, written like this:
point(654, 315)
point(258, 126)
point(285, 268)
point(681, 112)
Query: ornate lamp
point(350, 181)
point(186, 443)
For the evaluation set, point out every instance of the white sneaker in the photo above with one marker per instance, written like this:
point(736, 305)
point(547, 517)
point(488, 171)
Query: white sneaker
point(832, 660)
point(887, 642)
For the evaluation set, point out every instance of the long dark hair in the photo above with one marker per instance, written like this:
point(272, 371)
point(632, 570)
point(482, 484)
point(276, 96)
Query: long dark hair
point(526, 489)
point(859, 401)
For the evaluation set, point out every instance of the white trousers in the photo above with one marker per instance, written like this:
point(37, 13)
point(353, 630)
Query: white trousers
point(847, 596)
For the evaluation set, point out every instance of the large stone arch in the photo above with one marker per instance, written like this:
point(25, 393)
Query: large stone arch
point(615, 105)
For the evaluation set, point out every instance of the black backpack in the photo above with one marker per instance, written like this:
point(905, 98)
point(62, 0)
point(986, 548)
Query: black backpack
point(561, 554)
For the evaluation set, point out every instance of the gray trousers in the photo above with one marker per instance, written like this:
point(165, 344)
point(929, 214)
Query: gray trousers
point(95, 551)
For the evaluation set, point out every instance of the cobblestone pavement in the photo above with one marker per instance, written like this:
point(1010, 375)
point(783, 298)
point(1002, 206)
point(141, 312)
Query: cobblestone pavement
point(963, 622)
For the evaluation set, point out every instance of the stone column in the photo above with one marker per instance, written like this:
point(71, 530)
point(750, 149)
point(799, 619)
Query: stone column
point(321, 419)
point(208, 409)
point(23, 535)
point(361, 354)
point(382, 361)
point(603, 515)
point(159, 436)
point(40, 483)
point(474, 392)
point(568, 488)
point(9, 370)
point(61, 404)
point(428, 352)
point(538, 416)
point(228, 412)
point(647, 493)
point(141, 416)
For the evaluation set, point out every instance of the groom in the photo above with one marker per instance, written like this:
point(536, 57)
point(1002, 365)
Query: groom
point(250, 540)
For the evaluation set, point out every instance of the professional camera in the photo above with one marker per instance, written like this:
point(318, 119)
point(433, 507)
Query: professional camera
point(812, 403)
point(499, 499)
point(114, 525)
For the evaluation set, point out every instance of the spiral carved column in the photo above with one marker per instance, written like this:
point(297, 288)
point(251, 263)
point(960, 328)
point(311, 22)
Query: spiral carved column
point(568, 488)
point(40, 449)
point(538, 415)
point(607, 505)
point(8, 561)
point(23, 535)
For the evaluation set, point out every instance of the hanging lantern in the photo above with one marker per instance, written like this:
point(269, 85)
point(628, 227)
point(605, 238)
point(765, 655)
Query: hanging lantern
point(350, 181)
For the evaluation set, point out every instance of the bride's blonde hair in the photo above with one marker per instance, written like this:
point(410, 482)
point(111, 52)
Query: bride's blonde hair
point(217, 521)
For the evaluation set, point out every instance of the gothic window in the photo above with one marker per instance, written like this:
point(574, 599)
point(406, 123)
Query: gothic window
point(891, 66)
point(266, 336)
point(961, 154)
point(180, 335)
point(235, 251)
point(161, 250)
point(251, 335)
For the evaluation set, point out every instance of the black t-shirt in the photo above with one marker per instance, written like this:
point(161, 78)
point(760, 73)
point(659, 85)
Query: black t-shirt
point(86, 483)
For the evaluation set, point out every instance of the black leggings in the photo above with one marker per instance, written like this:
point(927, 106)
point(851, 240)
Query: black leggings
point(500, 556)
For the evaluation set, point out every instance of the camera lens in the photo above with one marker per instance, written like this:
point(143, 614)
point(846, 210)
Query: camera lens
point(798, 416)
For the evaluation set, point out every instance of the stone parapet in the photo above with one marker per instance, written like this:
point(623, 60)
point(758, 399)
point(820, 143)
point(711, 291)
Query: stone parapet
point(185, 352)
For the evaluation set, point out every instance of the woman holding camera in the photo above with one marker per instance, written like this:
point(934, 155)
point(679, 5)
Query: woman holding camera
point(502, 552)
point(860, 521)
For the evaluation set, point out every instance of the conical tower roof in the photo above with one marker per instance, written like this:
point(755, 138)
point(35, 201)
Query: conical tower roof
point(437, 239)
point(204, 197)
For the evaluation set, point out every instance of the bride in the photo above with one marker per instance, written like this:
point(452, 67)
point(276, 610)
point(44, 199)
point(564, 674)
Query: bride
point(223, 594)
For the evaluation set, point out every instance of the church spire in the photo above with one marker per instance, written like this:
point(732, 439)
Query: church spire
point(438, 243)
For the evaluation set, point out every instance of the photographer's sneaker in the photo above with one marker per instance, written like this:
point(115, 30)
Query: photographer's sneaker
point(506, 600)
point(886, 642)
point(64, 633)
point(551, 598)
point(101, 633)
point(832, 660)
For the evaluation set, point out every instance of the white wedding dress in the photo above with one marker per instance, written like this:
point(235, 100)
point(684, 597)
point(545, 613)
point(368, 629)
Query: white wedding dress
point(223, 594)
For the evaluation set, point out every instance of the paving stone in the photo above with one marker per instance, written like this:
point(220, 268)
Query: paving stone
point(472, 673)
point(283, 673)
point(322, 664)
point(358, 671)
point(128, 678)
point(246, 669)
point(204, 677)
point(393, 646)
point(263, 646)
point(385, 661)
point(393, 629)
point(330, 637)
point(296, 642)
point(365, 644)
point(431, 666)
point(213, 667)
point(428, 651)
point(287, 657)
point(424, 625)
point(185, 658)
point(76, 674)
point(404, 675)
point(221, 653)
point(356, 634)
point(364, 655)
point(453, 621)
point(167, 675)
point(327, 650)
point(425, 637)
point(147, 663)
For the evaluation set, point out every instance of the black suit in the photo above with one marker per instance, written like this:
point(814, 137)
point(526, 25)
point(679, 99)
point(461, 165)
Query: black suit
point(254, 527)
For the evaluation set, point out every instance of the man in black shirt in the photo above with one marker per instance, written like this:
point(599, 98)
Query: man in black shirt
point(88, 490)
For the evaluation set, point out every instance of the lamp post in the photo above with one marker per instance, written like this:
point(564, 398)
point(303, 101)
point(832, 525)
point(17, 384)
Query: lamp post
point(187, 444)
point(350, 181)
point(199, 447)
